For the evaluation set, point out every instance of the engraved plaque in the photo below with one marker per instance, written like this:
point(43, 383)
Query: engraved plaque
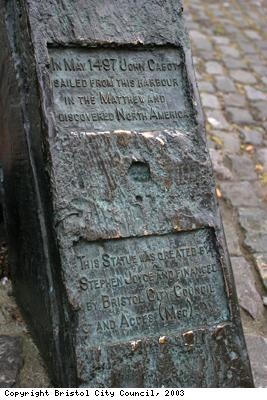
point(133, 288)
point(108, 89)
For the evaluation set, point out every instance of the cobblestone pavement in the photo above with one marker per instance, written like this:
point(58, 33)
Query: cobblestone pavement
point(229, 41)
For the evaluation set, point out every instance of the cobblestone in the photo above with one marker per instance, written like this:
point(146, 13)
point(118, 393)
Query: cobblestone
point(251, 137)
point(261, 264)
point(252, 34)
point(233, 63)
point(234, 99)
point(225, 84)
point(216, 119)
point(257, 348)
point(200, 40)
point(248, 296)
point(230, 142)
point(240, 194)
point(243, 76)
point(221, 171)
point(242, 167)
point(221, 39)
point(205, 86)
point(262, 157)
point(230, 51)
point(254, 94)
point(210, 101)
point(214, 68)
point(239, 116)
point(261, 110)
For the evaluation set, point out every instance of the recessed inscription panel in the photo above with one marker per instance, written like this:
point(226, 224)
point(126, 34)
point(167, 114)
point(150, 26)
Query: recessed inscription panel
point(131, 288)
point(108, 89)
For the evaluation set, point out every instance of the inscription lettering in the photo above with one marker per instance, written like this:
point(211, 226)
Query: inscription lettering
point(103, 89)
point(129, 286)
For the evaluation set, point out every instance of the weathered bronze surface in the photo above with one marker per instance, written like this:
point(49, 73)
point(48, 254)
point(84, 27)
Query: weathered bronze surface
point(116, 246)
point(99, 89)
point(139, 286)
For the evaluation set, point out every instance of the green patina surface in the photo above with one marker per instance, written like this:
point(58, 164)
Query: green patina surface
point(109, 89)
point(139, 287)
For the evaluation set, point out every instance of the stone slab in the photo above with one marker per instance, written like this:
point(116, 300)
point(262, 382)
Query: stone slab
point(242, 167)
point(239, 115)
point(252, 137)
point(240, 193)
point(230, 141)
point(262, 157)
point(248, 296)
point(257, 348)
point(261, 264)
point(253, 221)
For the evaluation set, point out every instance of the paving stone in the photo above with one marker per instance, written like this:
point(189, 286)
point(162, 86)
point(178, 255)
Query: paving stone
point(207, 55)
point(252, 34)
point(229, 51)
point(234, 63)
point(262, 44)
point(254, 94)
point(200, 41)
point(214, 68)
point(248, 296)
point(217, 119)
point(225, 84)
point(259, 69)
point(205, 86)
point(251, 137)
point(261, 265)
point(242, 166)
point(230, 28)
point(261, 190)
point(247, 47)
point(240, 194)
point(230, 140)
point(221, 171)
point(261, 107)
point(10, 360)
point(231, 238)
point(239, 115)
point(243, 76)
point(253, 59)
point(253, 220)
point(255, 243)
point(234, 99)
point(221, 39)
point(257, 350)
point(210, 101)
point(262, 157)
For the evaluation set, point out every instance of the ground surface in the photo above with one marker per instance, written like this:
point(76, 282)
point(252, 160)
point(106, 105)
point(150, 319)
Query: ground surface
point(229, 41)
